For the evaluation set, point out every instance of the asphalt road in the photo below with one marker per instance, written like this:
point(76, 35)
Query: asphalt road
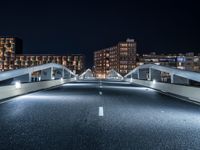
point(99, 116)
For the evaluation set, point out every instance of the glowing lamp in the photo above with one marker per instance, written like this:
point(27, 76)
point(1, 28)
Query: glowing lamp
point(154, 81)
point(17, 84)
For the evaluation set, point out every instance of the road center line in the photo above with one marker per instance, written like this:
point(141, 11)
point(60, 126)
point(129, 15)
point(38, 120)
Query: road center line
point(101, 112)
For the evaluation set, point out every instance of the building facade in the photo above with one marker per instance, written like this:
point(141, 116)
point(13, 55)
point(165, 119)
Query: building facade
point(102, 63)
point(9, 47)
point(188, 61)
point(121, 58)
point(74, 62)
point(12, 57)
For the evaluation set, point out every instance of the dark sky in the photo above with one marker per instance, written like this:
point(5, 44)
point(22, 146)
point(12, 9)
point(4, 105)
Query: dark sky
point(85, 26)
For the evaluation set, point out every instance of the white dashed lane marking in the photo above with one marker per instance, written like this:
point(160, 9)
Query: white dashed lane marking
point(101, 111)
point(100, 93)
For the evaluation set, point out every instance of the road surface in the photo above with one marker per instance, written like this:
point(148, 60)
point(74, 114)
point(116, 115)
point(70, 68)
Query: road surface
point(99, 115)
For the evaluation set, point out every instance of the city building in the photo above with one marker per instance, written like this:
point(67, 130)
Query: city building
point(188, 61)
point(121, 58)
point(101, 62)
point(9, 47)
point(12, 57)
point(74, 62)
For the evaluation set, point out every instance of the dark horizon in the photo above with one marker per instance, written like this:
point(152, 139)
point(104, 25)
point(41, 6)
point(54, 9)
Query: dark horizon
point(59, 27)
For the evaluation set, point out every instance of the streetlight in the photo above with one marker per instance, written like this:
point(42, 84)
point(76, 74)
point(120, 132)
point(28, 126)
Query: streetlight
point(154, 81)
point(17, 84)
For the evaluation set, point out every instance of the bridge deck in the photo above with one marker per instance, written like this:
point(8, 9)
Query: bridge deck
point(99, 115)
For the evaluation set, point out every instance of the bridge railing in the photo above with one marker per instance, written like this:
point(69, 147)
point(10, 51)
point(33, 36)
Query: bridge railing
point(158, 73)
point(169, 80)
point(25, 80)
point(114, 75)
point(43, 72)
point(87, 75)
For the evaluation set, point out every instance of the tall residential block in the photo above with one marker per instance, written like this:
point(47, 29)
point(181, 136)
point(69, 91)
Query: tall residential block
point(9, 46)
point(121, 58)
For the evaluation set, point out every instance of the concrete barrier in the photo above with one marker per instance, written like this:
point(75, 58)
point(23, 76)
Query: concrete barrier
point(192, 93)
point(11, 90)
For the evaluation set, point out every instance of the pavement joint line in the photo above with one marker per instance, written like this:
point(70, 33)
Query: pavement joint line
point(101, 114)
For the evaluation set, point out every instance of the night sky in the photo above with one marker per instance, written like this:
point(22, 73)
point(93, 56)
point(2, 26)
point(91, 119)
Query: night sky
point(85, 26)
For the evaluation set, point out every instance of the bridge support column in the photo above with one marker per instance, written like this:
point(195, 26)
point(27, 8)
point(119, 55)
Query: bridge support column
point(172, 78)
point(47, 74)
point(179, 80)
point(155, 75)
point(63, 73)
point(149, 75)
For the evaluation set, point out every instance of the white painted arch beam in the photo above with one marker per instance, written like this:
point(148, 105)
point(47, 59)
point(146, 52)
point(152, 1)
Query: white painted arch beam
point(19, 72)
point(173, 71)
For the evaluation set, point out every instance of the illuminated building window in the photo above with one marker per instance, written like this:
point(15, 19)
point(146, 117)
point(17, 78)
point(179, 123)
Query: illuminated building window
point(121, 56)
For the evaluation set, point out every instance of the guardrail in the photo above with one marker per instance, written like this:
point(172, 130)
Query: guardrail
point(179, 82)
point(88, 74)
point(26, 73)
point(149, 74)
point(19, 81)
